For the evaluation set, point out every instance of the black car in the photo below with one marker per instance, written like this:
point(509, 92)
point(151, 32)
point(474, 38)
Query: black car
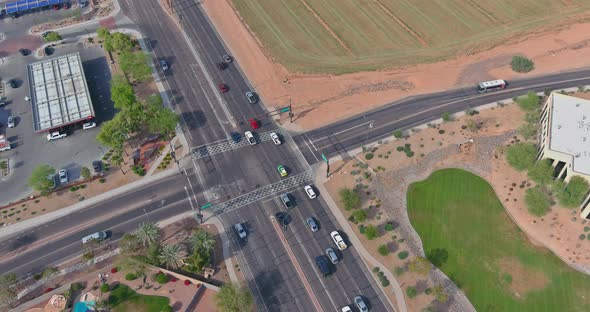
point(236, 137)
point(24, 52)
point(283, 218)
point(97, 165)
point(13, 83)
point(48, 50)
point(323, 265)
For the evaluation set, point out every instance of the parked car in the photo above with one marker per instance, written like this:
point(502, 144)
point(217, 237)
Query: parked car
point(252, 97)
point(55, 135)
point(88, 125)
point(222, 87)
point(250, 137)
point(346, 309)
point(313, 226)
point(13, 83)
point(241, 231)
point(24, 52)
point(282, 170)
point(10, 122)
point(97, 166)
point(275, 138)
point(63, 176)
point(310, 192)
point(338, 240)
point(331, 253)
point(323, 265)
point(48, 50)
point(164, 65)
point(360, 304)
point(227, 58)
point(283, 218)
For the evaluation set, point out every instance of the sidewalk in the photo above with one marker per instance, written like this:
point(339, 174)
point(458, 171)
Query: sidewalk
point(368, 259)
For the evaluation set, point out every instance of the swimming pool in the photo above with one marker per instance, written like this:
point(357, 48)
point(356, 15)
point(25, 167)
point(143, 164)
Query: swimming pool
point(84, 306)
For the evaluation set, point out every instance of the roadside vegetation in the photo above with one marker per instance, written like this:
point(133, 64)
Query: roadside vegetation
point(41, 179)
point(522, 64)
point(517, 276)
point(52, 36)
point(232, 298)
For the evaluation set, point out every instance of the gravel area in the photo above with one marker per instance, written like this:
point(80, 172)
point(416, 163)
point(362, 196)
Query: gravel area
point(391, 188)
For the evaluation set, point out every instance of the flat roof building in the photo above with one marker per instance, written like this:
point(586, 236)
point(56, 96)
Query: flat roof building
point(564, 138)
point(59, 92)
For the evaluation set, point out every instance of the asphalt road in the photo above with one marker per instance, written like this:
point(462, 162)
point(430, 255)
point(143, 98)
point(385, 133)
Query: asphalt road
point(340, 137)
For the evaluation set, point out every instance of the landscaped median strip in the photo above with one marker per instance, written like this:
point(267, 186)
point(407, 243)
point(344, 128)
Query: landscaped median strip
point(306, 284)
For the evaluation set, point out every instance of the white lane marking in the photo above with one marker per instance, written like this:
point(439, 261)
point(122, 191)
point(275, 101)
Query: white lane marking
point(342, 131)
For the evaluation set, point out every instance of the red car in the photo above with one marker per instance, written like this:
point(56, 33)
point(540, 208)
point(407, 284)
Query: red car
point(255, 124)
point(56, 7)
point(222, 87)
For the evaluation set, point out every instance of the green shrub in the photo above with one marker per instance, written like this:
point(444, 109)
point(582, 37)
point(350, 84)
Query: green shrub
point(521, 64)
point(369, 156)
point(52, 36)
point(105, 288)
point(383, 250)
point(403, 254)
point(102, 180)
point(521, 156)
point(537, 201)
point(384, 282)
point(529, 102)
point(167, 309)
point(573, 194)
point(398, 134)
point(359, 215)
point(541, 172)
point(77, 286)
point(398, 271)
point(582, 236)
point(586, 229)
point(162, 278)
point(87, 256)
point(362, 228)
point(376, 269)
point(389, 227)
point(428, 291)
point(411, 291)
point(130, 276)
point(400, 148)
point(350, 198)
point(446, 116)
point(371, 232)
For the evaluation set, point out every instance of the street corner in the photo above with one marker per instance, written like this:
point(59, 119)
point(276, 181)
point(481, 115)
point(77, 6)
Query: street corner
point(109, 23)
point(11, 46)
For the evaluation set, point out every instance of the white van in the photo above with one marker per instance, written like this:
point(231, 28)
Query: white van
point(95, 236)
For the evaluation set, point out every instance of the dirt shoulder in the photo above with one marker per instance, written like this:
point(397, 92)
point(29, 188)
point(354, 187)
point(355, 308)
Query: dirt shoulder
point(321, 99)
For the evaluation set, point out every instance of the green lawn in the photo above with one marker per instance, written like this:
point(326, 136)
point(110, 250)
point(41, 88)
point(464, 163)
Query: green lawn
point(458, 214)
point(123, 299)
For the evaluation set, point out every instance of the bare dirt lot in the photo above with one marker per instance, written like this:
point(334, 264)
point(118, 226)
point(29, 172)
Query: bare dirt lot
point(319, 99)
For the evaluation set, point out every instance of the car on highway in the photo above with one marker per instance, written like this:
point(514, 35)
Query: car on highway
point(360, 304)
point(227, 58)
point(97, 166)
point(240, 230)
point(255, 124)
point(310, 192)
point(236, 137)
point(222, 87)
point(313, 226)
point(13, 83)
point(55, 135)
point(10, 122)
point(346, 309)
point(63, 176)
point(286, 200)
point(250, 137)
point(275, 138)
point(164, 64)
point(282, 170)
point(323, 265)
point(252, 97)
point(331, 253)
point(221, 65)
point(98, 236)
point(88, 125)
point(338, 240)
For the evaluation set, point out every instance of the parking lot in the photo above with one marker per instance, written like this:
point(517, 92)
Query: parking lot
point(29, 149)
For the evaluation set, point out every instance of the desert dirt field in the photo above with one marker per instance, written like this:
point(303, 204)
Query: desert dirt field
point(343, 36)
point(319, 99)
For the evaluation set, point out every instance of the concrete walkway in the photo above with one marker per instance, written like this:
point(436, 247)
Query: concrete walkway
point(368, 259)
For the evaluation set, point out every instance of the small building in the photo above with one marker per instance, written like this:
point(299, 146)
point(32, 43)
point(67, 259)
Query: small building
point(564, 138)
point(59, 93)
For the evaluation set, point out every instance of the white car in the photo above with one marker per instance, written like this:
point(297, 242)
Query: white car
point(250, 138)
point(346, 309)
point(63, 176)
point(310, 192)
point(338, 240)
point(241, 231)
point(10, 122)
point(275, 138)
point(55, 135)
point(88, 125)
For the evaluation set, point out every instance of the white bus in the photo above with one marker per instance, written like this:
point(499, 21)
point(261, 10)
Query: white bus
point(493, 85)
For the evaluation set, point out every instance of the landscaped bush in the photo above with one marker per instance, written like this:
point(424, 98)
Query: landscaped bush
point(384, 281)
point(398, 271)
point(371, 232)
point(411, 291)
point(522, 64)
point(428, 291)
point(359, 215)
point(403, 254)
point(104, 288)
point(362, 228)
point(102, 180)
point(87, 256)
point(167, 309)
point(399, 148)
point(130, 276)
point(376, 269)
point(161, 278)
point(582, 236)
point(369, 156)
point(573, 194)
point(446, 116)
point(383, 250)
point(389, 227)
point(350, 198)
point(77, 286)
point(398, 134)
point(521, 156)
point(537, 201)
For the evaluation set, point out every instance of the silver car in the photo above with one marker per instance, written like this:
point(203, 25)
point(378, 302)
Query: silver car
point(331, 253)
point(360, 304)
point(10, 122)
point(312, 224)
point(63, 176)
point(241, 231)
point(252, 98)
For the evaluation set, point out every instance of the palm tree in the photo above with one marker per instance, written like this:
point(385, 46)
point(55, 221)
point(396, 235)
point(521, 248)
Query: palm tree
point(148, 233)
point(203, 241)
point(172, 256)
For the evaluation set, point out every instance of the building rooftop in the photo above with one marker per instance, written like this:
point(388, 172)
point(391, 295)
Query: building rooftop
point(570, 130)
point(59, 93)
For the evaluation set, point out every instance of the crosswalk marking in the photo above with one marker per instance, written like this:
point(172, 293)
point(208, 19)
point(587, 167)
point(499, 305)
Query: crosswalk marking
point(228, 145)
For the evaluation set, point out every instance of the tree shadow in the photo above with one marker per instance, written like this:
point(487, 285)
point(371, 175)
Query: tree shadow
point(22, 241)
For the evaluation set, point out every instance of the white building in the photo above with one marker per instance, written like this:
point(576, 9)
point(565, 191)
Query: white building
point(564, 138)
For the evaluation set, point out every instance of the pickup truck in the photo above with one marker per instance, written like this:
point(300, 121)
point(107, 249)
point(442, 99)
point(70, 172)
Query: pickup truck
point(4, 144)
point(338, 240)
point(55, 135)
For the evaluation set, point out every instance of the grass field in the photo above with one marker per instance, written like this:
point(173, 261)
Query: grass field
point(124, 299)
point(458, 213)
point(339, 36)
